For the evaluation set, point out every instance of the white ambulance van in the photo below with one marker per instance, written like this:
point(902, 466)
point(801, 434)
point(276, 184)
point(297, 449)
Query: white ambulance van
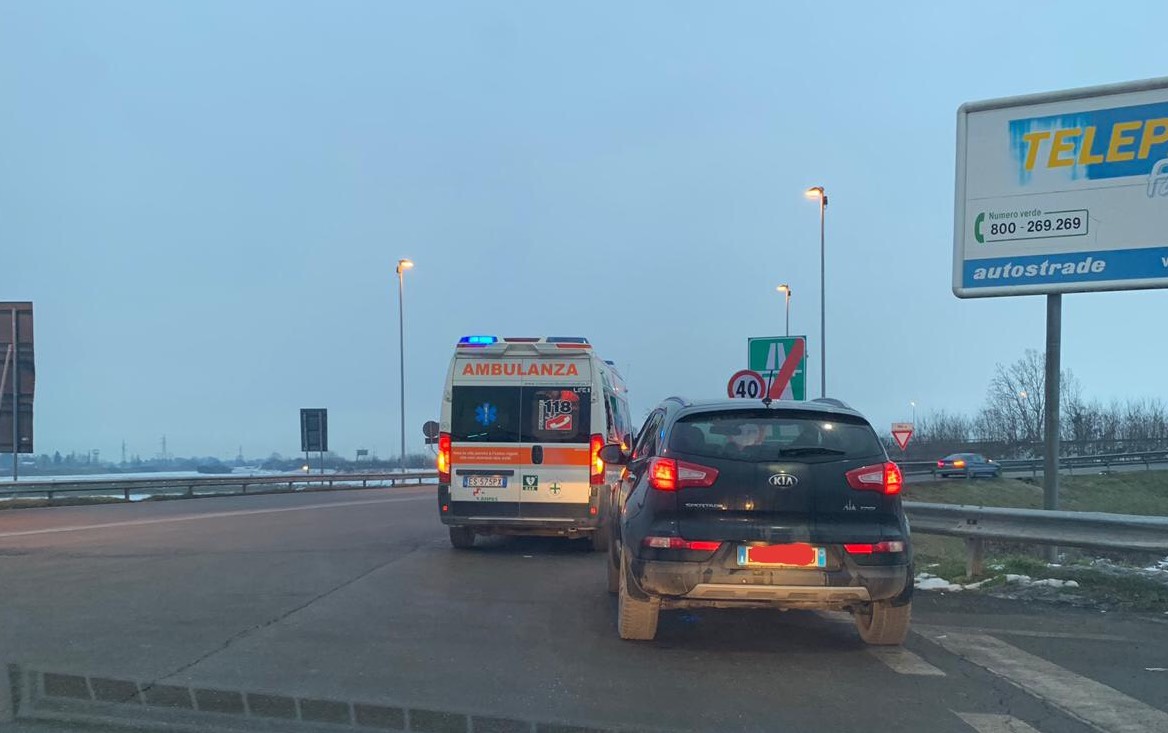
point(523, 421)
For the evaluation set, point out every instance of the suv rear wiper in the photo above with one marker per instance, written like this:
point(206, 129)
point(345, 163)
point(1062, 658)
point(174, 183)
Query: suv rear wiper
point(811, 451)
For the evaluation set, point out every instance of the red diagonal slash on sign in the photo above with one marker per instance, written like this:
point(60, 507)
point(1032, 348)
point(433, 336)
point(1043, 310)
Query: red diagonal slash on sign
point(790, 364)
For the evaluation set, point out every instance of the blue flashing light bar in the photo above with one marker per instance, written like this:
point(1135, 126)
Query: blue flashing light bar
point(478, 340)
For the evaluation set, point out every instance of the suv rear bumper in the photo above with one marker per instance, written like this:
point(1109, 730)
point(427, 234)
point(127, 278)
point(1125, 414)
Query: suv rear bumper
point(687, 584)
point(786, 594)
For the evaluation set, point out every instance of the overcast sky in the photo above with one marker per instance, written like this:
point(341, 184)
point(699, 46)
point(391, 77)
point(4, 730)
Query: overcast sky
point(205, 201)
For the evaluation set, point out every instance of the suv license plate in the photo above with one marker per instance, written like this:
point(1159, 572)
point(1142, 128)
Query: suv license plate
point(484, 482)
point(794, 555)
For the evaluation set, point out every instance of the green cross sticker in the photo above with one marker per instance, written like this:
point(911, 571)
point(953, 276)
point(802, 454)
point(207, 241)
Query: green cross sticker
point(530, 483)
point(555, 489)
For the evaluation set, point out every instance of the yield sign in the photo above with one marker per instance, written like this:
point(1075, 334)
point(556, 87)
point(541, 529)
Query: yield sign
point(901, 432)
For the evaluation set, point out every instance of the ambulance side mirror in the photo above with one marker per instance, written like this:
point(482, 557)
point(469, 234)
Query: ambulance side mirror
point(613, 455)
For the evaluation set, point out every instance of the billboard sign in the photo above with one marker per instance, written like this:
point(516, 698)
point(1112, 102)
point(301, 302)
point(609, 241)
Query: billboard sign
point(313, 430)
point(1063, 192)
point(17, 377)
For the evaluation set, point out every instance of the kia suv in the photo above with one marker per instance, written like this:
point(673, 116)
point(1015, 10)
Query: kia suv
point(744, 504)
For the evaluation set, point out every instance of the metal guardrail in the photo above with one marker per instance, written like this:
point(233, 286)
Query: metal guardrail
point(1091, 530)
point(210, 485)
point(1068, 463)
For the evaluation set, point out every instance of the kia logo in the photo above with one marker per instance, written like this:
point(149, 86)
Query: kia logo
point(782, 480)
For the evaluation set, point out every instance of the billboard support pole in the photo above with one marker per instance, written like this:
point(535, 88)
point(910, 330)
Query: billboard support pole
point(1050, 459)
point(15, 402)
point(4, 381)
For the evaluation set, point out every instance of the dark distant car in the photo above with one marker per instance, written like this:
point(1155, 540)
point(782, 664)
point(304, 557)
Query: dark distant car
point(740, 504)
point(968, 465)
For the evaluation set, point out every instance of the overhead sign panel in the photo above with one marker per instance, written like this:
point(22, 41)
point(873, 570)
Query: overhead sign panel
point(782, 362)
point(1063, 192)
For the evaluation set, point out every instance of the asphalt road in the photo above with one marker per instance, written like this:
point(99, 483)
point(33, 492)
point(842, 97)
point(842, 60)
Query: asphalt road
point(355, 597)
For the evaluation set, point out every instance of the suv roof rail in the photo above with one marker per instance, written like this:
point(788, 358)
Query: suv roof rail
point(679, 400)
point(833, 402)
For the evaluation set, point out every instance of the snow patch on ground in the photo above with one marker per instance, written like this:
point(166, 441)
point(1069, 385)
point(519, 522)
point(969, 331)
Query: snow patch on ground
point(1049, 582)
point(928, 581)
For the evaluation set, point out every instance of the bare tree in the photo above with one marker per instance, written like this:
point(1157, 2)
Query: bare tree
point(944, 427)
point(1015, 407)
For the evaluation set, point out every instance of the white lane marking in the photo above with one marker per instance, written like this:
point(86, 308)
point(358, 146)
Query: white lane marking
point(902, 661)
point(209, 515)
point(930, 631)
point(1085, 699)
point(989, 723)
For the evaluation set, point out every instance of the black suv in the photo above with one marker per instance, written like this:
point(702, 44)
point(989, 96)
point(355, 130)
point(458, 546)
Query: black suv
point(738, 504)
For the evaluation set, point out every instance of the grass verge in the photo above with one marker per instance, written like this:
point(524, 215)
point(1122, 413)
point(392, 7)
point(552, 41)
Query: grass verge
point(1107, 586)
point(1133, 492)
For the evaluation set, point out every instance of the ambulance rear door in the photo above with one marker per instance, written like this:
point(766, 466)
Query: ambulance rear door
point(556, 423)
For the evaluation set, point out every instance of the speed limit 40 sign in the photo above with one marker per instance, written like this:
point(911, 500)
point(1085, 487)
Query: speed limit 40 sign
point(746, 384)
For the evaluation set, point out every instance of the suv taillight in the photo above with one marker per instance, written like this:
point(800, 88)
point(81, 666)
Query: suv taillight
point(444, 458)
point(883, 477)
point(667, 474)
point(680, 543)
point(596, 476)
point(875, 548)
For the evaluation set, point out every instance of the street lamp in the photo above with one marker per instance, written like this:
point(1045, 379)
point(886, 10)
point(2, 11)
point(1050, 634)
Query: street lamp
point(817, 192)
point(914, 409)
point(786, 290)
point(402, 266)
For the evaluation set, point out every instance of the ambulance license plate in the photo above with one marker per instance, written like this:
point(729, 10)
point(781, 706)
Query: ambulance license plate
point(484, 482)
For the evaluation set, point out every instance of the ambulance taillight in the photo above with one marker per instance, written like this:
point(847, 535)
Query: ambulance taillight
point(596, 463)
point(444, 458)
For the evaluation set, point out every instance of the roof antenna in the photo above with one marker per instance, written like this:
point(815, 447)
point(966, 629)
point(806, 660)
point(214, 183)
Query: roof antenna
point(766, 398)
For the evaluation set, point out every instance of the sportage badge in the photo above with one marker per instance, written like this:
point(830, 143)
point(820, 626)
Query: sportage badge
point(782, 480)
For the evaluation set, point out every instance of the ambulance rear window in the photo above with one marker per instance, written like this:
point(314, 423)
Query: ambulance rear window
point(496, 414)
point(557, 414)
point(485, 414)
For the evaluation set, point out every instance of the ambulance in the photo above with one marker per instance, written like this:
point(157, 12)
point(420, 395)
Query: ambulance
point(523, 421)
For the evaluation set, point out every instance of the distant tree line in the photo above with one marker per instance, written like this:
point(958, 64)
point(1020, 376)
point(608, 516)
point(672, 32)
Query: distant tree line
point(1012, 420)
point(332, 461)
point(90, 462)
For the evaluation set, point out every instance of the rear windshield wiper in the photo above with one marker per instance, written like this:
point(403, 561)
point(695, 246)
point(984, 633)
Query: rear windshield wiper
point(812, 451)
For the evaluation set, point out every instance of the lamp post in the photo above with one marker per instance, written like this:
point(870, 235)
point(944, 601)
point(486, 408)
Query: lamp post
point(786, 290)
point(817, 192)
point(402, 266)
point(914, 409)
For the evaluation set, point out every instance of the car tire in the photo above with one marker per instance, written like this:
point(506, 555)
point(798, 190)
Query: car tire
point(636, 619)
point(612, 566)
point(882, 624)
point(600, 538)
point(462, 538)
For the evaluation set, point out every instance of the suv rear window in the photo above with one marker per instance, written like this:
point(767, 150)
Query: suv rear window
point(769, 435)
